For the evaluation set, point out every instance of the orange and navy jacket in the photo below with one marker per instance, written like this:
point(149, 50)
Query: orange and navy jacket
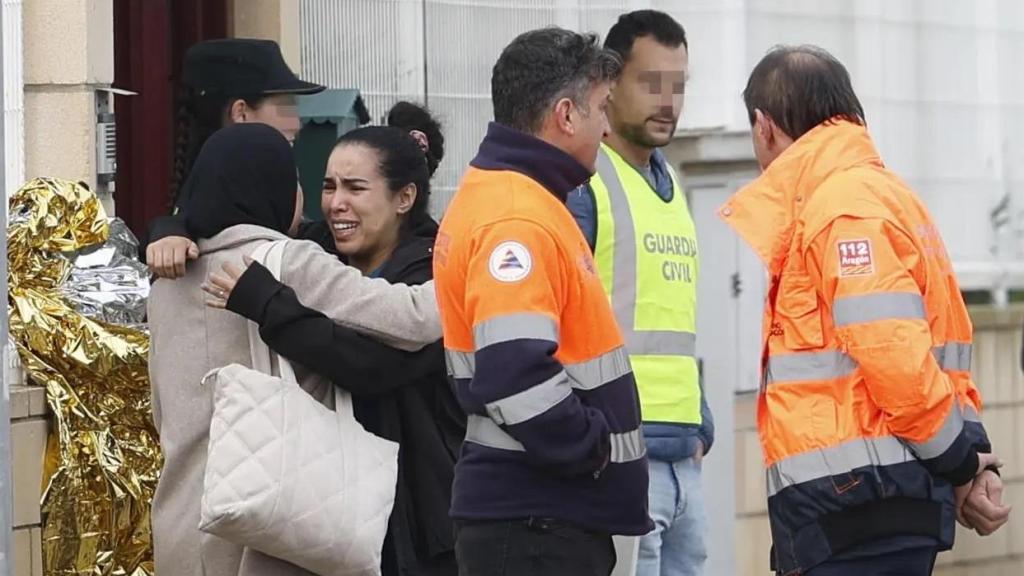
point(867, 413)
point(538, 361)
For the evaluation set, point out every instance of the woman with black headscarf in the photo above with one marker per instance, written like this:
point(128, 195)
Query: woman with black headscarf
point(375, 196)
point(245, 194)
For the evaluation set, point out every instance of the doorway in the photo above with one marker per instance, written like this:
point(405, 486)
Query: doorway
point(150, 39)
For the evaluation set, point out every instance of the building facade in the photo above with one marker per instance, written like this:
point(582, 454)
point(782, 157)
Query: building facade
point(938, 80)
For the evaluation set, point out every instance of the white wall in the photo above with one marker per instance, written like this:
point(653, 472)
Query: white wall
point(939, 80)
point(941, 85)
point(14, 98)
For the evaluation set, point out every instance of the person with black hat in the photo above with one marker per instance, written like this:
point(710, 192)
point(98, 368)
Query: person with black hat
point(225, 81)
point(233, 81)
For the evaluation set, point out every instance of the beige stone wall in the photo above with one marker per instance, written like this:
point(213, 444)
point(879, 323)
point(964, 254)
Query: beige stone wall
point(276, 20)
point(996, 366)
point(28, 440)
point(69, 53)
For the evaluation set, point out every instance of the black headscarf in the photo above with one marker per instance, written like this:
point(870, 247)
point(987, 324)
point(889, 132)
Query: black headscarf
point(245, 174)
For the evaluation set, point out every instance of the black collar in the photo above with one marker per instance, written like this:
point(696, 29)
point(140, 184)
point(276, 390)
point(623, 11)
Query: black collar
point(507, 149)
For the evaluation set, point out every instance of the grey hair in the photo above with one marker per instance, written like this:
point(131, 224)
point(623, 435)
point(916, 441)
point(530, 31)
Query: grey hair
point(542, 66)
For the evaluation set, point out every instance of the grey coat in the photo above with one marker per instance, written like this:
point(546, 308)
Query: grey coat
point(188, 339)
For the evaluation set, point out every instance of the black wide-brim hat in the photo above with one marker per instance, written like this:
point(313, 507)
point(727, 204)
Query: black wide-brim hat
point(241, 67)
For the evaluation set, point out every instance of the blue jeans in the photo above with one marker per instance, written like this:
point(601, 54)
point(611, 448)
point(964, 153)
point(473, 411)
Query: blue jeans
point(676, 545)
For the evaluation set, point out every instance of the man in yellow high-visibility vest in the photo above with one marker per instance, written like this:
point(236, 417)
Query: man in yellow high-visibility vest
point(635, 217)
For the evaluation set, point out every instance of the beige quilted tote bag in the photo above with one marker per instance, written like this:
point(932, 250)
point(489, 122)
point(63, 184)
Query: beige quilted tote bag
point(289, 477)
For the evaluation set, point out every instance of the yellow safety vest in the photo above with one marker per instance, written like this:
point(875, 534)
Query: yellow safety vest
point(647, 259)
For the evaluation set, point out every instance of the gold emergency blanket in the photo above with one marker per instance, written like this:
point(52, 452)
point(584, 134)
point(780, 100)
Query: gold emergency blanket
point(103, 456)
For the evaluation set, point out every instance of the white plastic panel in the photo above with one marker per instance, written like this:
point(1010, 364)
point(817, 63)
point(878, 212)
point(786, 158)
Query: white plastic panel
point(464, 39)
point(373, 45)
point(442, 52)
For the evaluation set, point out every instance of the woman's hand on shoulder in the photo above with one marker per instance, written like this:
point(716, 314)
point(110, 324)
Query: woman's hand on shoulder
point(219, 285)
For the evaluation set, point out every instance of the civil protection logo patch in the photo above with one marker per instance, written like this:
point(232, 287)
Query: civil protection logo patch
point(510, 262)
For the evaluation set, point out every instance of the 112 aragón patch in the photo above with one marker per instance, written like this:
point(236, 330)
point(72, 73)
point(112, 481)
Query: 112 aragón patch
point(855, 258)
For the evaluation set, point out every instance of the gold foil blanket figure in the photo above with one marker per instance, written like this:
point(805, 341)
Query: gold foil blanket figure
point(103, 456)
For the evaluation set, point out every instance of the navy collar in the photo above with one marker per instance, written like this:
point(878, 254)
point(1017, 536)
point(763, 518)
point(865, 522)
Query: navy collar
point(507, 149)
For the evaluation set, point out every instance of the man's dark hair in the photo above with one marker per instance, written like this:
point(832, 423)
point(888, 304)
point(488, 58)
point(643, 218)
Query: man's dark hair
point(641, 23)
point(799, 87)
point(542, 66)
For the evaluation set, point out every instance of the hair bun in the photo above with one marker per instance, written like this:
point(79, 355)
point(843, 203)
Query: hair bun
point(414, 118)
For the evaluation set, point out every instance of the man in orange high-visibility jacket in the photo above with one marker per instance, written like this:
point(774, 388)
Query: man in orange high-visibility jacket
point(554, 461)
point(868, 417)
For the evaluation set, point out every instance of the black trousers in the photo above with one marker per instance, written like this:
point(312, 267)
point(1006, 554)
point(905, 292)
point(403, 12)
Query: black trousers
point(534, 547)
point(913, 562)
